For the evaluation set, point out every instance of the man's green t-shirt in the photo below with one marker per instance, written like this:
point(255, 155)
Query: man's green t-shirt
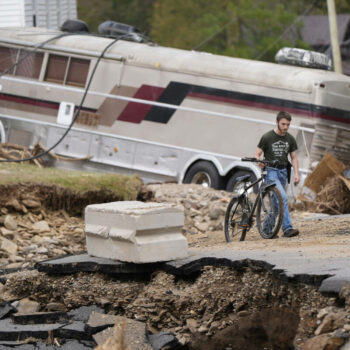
point(276, 147)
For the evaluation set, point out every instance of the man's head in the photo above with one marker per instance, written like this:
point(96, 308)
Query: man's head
point(283, 120)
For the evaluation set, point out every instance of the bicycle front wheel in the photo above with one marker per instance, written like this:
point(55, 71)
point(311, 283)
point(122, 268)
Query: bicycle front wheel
point(270, 213)
point(233, 219)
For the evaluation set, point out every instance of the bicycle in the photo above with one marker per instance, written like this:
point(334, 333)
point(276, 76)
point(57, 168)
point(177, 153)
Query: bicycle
point(239, 217)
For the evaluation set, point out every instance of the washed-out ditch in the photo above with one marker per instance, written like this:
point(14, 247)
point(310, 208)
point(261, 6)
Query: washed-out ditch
point(210, 305)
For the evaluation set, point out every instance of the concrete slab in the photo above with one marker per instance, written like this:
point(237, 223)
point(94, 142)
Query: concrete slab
point(87, 263)
point(329, 273)
point(83, 313)
point(11, 331)
point(137, 232)
point(6, 309)
point(163, 340)
point(40, 318)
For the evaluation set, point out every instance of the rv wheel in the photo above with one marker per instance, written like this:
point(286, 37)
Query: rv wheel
point(203, 173)
point(233, 185)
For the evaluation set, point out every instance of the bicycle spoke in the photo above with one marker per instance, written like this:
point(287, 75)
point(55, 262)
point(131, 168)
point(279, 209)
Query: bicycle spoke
point(233, 221)
point(270, 213)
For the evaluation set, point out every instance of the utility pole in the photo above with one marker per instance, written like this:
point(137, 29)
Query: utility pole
point(333, 29)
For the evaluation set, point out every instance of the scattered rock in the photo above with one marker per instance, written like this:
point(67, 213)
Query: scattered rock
point(9, 246)
point(134, 333)
point(329, 341)
point(331, 322)
point(27, 306)
point(345, 294)
point(31, 203)
point(7, 233)
point(10, 223)
point(55, 307)
point(192, 325)
point(13, 203)
point(41, 226)
point(204, 207)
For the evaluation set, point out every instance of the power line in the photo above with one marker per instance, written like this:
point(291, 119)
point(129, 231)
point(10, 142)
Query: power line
point(213, 35)
point(269, 47)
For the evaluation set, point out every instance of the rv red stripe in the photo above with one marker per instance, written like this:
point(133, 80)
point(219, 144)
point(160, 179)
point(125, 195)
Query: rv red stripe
point(35, 102)
point(137, 112)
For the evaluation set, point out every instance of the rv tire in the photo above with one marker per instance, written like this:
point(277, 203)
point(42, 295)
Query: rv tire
point(233, 185)
point(203, 173)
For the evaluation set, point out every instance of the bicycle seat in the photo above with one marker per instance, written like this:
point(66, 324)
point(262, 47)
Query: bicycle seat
point(243, 178)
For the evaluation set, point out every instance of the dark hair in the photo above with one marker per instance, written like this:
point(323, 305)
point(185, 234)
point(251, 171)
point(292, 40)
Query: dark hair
point(283, 115)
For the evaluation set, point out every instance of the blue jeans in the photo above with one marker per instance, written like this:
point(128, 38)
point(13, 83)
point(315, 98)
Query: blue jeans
point(279, 177)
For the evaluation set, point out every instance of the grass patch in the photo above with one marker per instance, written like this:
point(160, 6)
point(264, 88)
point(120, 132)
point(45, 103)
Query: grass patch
point(126, 187)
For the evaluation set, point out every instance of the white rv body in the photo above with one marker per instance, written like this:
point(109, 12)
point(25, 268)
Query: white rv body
point(159, 111)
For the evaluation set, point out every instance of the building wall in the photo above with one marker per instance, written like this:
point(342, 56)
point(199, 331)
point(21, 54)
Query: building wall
point(11, 13)
point(39, 13)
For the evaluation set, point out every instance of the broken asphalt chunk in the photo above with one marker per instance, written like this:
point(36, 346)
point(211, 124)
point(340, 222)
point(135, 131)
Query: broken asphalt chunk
point(83, 313)
point(6, 309)
point(163, 340)
point(40, 318)
point(98, 322)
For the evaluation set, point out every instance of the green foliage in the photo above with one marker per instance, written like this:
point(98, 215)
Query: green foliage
point(134, 12)
point(126, 187)
point(242, 28)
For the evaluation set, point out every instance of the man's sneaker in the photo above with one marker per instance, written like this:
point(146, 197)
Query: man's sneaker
point(291, 232)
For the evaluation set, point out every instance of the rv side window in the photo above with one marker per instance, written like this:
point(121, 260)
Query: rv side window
point(77, 72)
point(8, 57)
point(31, 65)
point(56, 69)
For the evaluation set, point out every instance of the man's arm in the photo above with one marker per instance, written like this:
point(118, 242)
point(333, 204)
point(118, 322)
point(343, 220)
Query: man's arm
point(295, 164)
point(258, 154)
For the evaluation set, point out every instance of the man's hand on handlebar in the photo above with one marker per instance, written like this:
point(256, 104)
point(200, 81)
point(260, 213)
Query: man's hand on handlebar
point(261, 165)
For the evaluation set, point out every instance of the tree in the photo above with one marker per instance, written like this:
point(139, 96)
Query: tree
point(134, 12)
point(242, 28)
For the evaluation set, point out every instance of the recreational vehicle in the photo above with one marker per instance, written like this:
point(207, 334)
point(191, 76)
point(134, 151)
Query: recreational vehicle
point(163, 113)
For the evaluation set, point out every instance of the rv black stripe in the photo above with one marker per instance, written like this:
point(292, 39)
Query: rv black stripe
point(176, 92)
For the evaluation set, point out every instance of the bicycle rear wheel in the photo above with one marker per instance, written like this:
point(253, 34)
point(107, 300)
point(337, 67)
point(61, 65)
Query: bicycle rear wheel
point(233, 218)
point(270, 215)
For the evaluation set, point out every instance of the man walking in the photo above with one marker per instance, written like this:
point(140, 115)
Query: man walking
point(276, 145)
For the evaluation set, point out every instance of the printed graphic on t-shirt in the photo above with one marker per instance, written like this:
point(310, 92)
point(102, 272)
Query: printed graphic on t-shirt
point(280, 148)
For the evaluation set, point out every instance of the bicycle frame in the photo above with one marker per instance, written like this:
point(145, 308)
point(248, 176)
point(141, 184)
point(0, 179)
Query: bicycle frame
point(258, 198)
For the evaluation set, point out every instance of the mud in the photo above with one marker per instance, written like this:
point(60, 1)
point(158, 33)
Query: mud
point(53, 197)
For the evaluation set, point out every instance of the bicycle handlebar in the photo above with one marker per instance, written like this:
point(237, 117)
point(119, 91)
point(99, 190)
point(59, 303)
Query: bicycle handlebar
point(255, 160)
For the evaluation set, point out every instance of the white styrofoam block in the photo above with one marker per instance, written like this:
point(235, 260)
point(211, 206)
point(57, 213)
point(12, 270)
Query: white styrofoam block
point(136, 232)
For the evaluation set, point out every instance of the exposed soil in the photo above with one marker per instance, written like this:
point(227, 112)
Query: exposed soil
point(221, 308)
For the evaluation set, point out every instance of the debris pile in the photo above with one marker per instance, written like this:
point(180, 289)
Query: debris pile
point(327, 188)
point(26, 239)
point(204, 207)
point(14, 152)
point(221, 306)
point(334, 197)
point(9, 151)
